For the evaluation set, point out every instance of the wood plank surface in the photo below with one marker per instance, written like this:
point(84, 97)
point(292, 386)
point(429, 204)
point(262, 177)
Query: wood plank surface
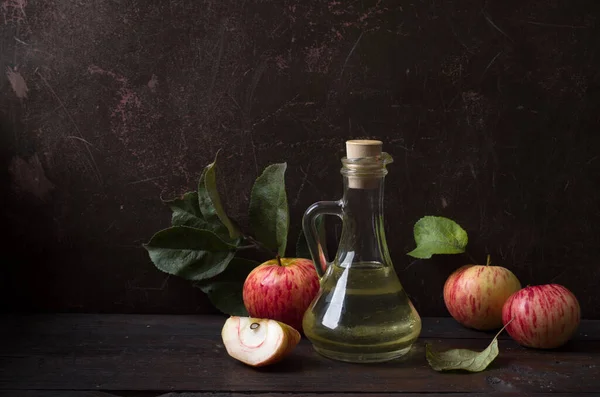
point(205, 325)
point(185, 353)
point(63, 393)
point(55, 393)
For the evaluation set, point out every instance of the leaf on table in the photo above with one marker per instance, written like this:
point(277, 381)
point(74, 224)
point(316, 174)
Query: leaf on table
point(302, 250)
point(463, 359)
point(210, 203)
point(438, 235)
point(269, 215)
point(186, 211)
point(225, 289)
point(189, 253)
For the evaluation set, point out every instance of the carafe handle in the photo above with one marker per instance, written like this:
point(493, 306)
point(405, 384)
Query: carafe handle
point(309, 225)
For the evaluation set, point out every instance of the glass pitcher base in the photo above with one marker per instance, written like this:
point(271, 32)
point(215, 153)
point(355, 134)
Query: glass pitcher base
point(362, 357)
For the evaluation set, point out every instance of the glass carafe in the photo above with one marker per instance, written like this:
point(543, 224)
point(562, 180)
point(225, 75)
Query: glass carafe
point(361, 313)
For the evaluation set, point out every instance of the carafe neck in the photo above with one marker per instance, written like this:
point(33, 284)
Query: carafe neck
point(363, 235)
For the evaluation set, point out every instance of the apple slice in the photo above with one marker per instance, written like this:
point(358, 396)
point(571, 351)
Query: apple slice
point(258, 341)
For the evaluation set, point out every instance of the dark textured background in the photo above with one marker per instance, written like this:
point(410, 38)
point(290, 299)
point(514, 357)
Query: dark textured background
point(490, 109)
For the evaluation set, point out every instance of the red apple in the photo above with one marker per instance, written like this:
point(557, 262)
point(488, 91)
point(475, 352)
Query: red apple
point(281, 289)
point(474, 295)
point(545, 316)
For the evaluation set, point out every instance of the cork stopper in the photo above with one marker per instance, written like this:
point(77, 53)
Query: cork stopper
point(359, 148)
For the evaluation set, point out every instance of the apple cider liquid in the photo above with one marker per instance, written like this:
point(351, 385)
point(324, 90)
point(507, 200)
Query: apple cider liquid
point(361, 313)
point(373, 320)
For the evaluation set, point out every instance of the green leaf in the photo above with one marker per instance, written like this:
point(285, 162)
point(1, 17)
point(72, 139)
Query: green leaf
point(463, 359)
point(210, 202)
point(269, 216)
point(302, 250)
point(225, 289)
point(190, 253)
point(438, 235)
point(186, 211)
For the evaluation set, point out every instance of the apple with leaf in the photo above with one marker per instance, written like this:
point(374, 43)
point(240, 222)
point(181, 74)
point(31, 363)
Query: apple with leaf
point(206, 246)
point(485, 297)
point(474, 294)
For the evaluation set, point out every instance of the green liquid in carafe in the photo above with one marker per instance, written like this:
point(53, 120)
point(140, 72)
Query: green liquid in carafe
point(362, 314)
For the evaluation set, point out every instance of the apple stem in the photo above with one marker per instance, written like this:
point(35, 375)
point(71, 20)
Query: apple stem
point(489, 260)
point(254, 325)
point(279, 260)
point(503, 328)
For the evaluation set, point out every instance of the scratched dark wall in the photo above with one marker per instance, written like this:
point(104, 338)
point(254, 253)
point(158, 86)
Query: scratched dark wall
point(489, 108)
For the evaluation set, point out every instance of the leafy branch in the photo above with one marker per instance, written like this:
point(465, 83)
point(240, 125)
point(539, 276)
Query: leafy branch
point(203, 244)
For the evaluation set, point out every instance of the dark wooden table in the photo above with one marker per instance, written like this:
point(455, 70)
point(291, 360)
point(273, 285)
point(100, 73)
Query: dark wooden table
point(151, 355)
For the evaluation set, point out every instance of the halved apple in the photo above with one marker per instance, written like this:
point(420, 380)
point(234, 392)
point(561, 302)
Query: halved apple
point(257, 341)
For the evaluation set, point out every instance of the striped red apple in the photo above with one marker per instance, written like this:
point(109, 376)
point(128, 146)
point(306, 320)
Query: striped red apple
point(545, 316)
point(474, 294)
point(281, 289)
